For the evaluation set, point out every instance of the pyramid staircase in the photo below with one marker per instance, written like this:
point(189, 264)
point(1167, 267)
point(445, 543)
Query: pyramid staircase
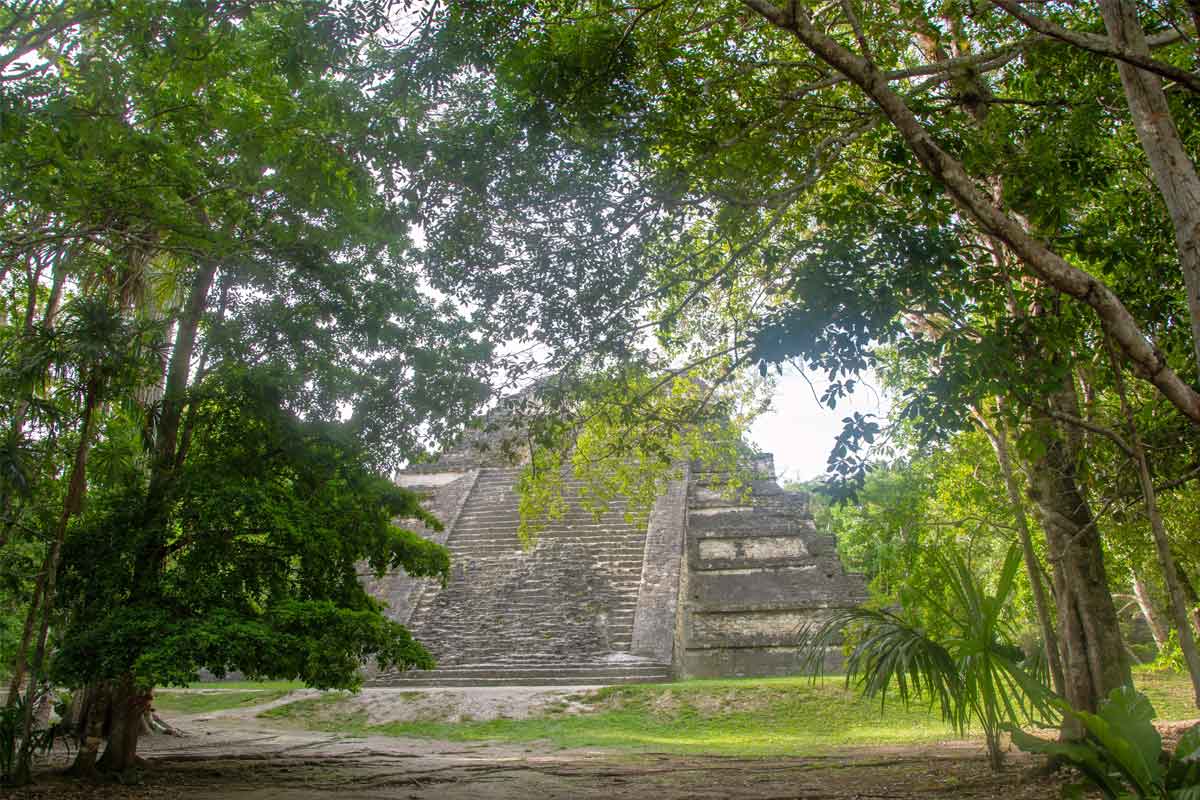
point(558, 613)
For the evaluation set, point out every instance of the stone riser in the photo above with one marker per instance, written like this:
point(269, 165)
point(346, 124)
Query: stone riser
point(542, 671)
point(561, 680)
point(758, 573)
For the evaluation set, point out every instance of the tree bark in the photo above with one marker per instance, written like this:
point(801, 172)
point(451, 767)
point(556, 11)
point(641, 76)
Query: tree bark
point(129, 704)
point(1189, 592)
point(1094, 656)
point(31, 616)
point(72, 505)
point(1172, 166)
point(1158, 629)
point(91, 718)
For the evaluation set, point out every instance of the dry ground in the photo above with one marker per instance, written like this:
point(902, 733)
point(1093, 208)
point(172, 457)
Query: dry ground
point(234, 756)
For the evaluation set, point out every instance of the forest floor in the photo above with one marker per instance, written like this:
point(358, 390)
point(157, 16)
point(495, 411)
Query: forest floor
point(381, 745)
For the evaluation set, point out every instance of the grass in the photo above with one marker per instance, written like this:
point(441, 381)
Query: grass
point(200, 698)
point(1169, 692)
point(290, 686)
point(755, 717)
point(748, 717)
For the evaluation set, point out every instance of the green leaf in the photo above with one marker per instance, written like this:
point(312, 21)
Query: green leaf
point(1123, 732)
point(1081, 755)
point(1188, 748)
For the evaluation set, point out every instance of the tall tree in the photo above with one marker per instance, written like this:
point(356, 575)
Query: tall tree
point(217, 172)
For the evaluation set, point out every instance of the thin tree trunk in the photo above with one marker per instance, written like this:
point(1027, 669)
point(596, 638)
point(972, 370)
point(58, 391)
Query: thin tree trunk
point(1189, 592)
point(1172, 166)
point(1158, 628)
point(92, 714)
point(1176, 602)
point(59, 277)
point(31, 616)
point(179, 371)
point(999, 439)
point(72, 505)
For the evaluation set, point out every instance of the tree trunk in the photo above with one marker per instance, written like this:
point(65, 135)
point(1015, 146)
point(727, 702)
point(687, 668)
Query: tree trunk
point(91, 717)
point(1176, 602)
point(1174, 173)
point(1094, 656)
point(1158, 628)
point(72, 504)
point(129, 704)
point(17, 683)
point(62, 266)
point(1189, 593)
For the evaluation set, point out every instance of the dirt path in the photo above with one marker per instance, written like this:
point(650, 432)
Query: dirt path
point(236, 757)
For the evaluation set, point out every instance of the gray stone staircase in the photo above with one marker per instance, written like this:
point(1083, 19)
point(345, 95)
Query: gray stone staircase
point(559, 613)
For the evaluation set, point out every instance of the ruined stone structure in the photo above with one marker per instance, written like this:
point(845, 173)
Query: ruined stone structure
point(708, 588)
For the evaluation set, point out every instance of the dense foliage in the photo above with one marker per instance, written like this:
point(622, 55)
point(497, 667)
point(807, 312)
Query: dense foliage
point(214, 346)
point(219, 328)
point(269, 520)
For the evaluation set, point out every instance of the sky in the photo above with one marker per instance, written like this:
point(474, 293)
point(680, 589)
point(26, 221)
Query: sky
point(800, 431)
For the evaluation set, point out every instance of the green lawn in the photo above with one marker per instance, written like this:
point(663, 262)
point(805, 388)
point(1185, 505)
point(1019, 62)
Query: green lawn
point(751, 717)
point(201, 698)
point(735, 717)
point(1169, 692)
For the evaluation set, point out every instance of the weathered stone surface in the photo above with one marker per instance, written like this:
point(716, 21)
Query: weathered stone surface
point(757, 572)
point(658, 595)
point(715, 585)
point(818, 585)
point(445, 500)
point(515, 614)
point(751, 628)
point(758, 548)
point(745, 662)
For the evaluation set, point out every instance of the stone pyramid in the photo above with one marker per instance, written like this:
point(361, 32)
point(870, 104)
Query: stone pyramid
point(710, 587)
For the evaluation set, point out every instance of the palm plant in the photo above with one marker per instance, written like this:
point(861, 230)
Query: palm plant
point(974, 672)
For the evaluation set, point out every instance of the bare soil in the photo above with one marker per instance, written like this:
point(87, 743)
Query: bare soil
point(234, 756)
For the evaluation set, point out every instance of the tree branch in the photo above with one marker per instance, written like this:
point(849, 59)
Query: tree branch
point(1148, 361)
point(1100, 45)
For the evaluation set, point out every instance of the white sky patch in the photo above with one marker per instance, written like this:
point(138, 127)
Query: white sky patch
point(800, 431)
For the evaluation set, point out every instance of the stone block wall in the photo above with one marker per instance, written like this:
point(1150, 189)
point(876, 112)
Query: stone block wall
point(756, 573)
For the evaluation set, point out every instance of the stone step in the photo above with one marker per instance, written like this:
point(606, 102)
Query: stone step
point(510, 529)
point(511, 521)
point(596, 540)
point(502, 556)
point(531, 622)
point(496, 675)
point(544, 670)
point(556, 546)
point(614, 627)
